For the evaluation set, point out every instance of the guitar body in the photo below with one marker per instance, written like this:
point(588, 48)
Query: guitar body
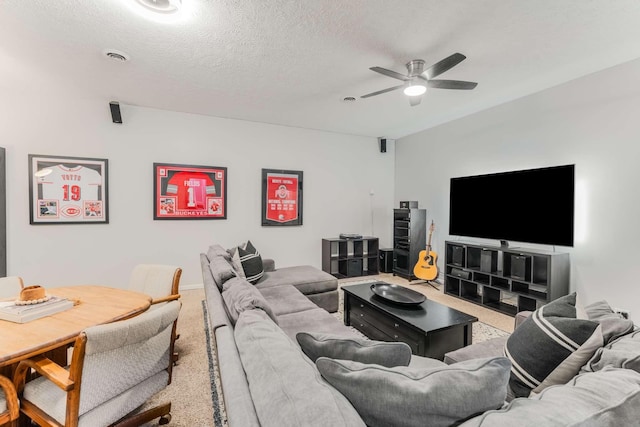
point(426, 268)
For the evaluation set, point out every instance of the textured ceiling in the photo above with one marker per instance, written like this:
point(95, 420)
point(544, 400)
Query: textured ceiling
point(292, 62)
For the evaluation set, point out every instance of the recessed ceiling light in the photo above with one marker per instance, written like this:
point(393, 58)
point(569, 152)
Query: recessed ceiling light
point(162, 6)
point(116, 55)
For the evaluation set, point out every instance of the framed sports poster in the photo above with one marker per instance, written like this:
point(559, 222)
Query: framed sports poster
point(281, 197)
point(68, 190)
point(189, 192)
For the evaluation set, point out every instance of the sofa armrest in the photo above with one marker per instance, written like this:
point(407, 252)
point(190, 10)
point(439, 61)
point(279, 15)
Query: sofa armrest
point(521, 317)
point(268, 264)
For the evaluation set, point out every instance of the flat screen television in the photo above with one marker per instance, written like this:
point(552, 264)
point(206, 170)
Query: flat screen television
point(532, 206)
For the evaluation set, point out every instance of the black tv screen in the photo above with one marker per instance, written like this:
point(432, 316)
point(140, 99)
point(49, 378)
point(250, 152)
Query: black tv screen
point(533, 206)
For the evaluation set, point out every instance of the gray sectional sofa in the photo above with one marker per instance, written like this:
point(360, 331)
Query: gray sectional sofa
point(269, 380)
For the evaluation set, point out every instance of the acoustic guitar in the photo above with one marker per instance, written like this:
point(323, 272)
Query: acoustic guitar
point(426, 268)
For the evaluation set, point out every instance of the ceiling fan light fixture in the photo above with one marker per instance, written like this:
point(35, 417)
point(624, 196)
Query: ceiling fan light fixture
point(162, 6)
point(415, 89)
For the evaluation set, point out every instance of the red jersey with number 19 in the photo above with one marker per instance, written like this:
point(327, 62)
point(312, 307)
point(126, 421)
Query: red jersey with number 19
point(192, 189)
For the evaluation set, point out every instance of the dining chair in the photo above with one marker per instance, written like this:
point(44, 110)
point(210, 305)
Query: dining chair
point(10, 286)
point(9, 405)
point(160, 281)
point(115, 368)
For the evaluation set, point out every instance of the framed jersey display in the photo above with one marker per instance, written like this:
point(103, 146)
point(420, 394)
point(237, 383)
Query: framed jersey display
point(189, 192)
point(281, 197)
point(68, 190)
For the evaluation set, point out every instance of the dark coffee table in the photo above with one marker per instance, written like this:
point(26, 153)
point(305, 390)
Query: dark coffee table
point(431, 329)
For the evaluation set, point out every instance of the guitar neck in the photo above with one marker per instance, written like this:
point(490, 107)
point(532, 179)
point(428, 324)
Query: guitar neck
point(429, 239)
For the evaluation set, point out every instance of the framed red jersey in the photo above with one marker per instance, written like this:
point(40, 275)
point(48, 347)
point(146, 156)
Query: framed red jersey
point(189, 192)
point(281, 197)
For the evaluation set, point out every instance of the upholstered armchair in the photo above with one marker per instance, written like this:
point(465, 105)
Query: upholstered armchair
point(10, 286)
point(115, 368)
point(9, 406)
point(159, 281)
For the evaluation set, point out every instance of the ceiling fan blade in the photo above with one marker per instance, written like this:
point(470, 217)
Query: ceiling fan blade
point(390, 73)
point(444, 65)
point(451, 84)
point(415, 100)
point(389, 89)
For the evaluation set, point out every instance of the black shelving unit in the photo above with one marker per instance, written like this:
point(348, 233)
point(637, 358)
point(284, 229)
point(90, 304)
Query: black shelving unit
point(350, 257)
point(508, 280)
point(409, 238)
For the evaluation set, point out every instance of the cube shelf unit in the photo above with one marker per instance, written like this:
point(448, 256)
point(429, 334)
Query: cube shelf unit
point(350, 257)
point(505, 279)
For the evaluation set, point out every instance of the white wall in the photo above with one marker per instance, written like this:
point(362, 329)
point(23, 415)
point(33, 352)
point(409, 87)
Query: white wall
point(339, 173)
point(591, 122)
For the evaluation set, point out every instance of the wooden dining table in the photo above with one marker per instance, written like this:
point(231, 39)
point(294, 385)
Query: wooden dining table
point(93, 305)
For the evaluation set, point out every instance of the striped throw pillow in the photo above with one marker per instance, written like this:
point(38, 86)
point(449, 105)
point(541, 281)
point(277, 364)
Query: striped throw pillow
point(548, 345)
point(251, 262)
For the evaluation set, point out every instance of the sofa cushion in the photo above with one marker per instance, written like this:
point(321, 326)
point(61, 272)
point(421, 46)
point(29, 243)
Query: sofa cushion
point(251, 262)
point(239, 295)
point(621, 353)
point(388, 354)
point(608, 398)
point(285, 385)
point(550, 346)
point(221, 270)
point(286, 299)
point(306, 278)
point(316, 320)
point(404, 396)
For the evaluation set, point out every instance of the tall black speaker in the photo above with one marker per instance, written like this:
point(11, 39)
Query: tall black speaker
point(383, 145)
point(115, 112)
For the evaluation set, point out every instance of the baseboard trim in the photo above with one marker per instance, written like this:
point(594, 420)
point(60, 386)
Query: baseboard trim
point(191, 287)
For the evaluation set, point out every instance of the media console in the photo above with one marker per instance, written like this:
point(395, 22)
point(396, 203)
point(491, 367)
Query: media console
point(508, 280)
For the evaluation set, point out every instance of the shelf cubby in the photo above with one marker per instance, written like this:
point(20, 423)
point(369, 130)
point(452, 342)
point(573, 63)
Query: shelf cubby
point(507, 280)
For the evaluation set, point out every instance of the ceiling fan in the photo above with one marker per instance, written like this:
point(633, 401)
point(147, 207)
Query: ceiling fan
point(418, 79)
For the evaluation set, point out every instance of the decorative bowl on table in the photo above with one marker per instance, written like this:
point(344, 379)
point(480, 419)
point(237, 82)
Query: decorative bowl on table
point(397, 294)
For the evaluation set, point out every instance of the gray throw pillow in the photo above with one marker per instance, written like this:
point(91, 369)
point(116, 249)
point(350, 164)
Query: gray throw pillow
point(221, 270)
point(239, 295)
point(388, 354)
point(406, 397)
point(236, 263)
point(621, 353)
point(550, 346)
point(608, 398)
point(217, 250)
point(613, 324)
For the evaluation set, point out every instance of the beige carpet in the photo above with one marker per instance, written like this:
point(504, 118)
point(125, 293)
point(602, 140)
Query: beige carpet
point(190, 391)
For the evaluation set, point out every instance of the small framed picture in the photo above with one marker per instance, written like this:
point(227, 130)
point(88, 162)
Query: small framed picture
point(189, 192)
point(68, 190)
point(281, 197)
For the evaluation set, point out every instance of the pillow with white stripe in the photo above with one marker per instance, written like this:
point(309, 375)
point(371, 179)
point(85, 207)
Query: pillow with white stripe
point(251, 262)
point(550, 346)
